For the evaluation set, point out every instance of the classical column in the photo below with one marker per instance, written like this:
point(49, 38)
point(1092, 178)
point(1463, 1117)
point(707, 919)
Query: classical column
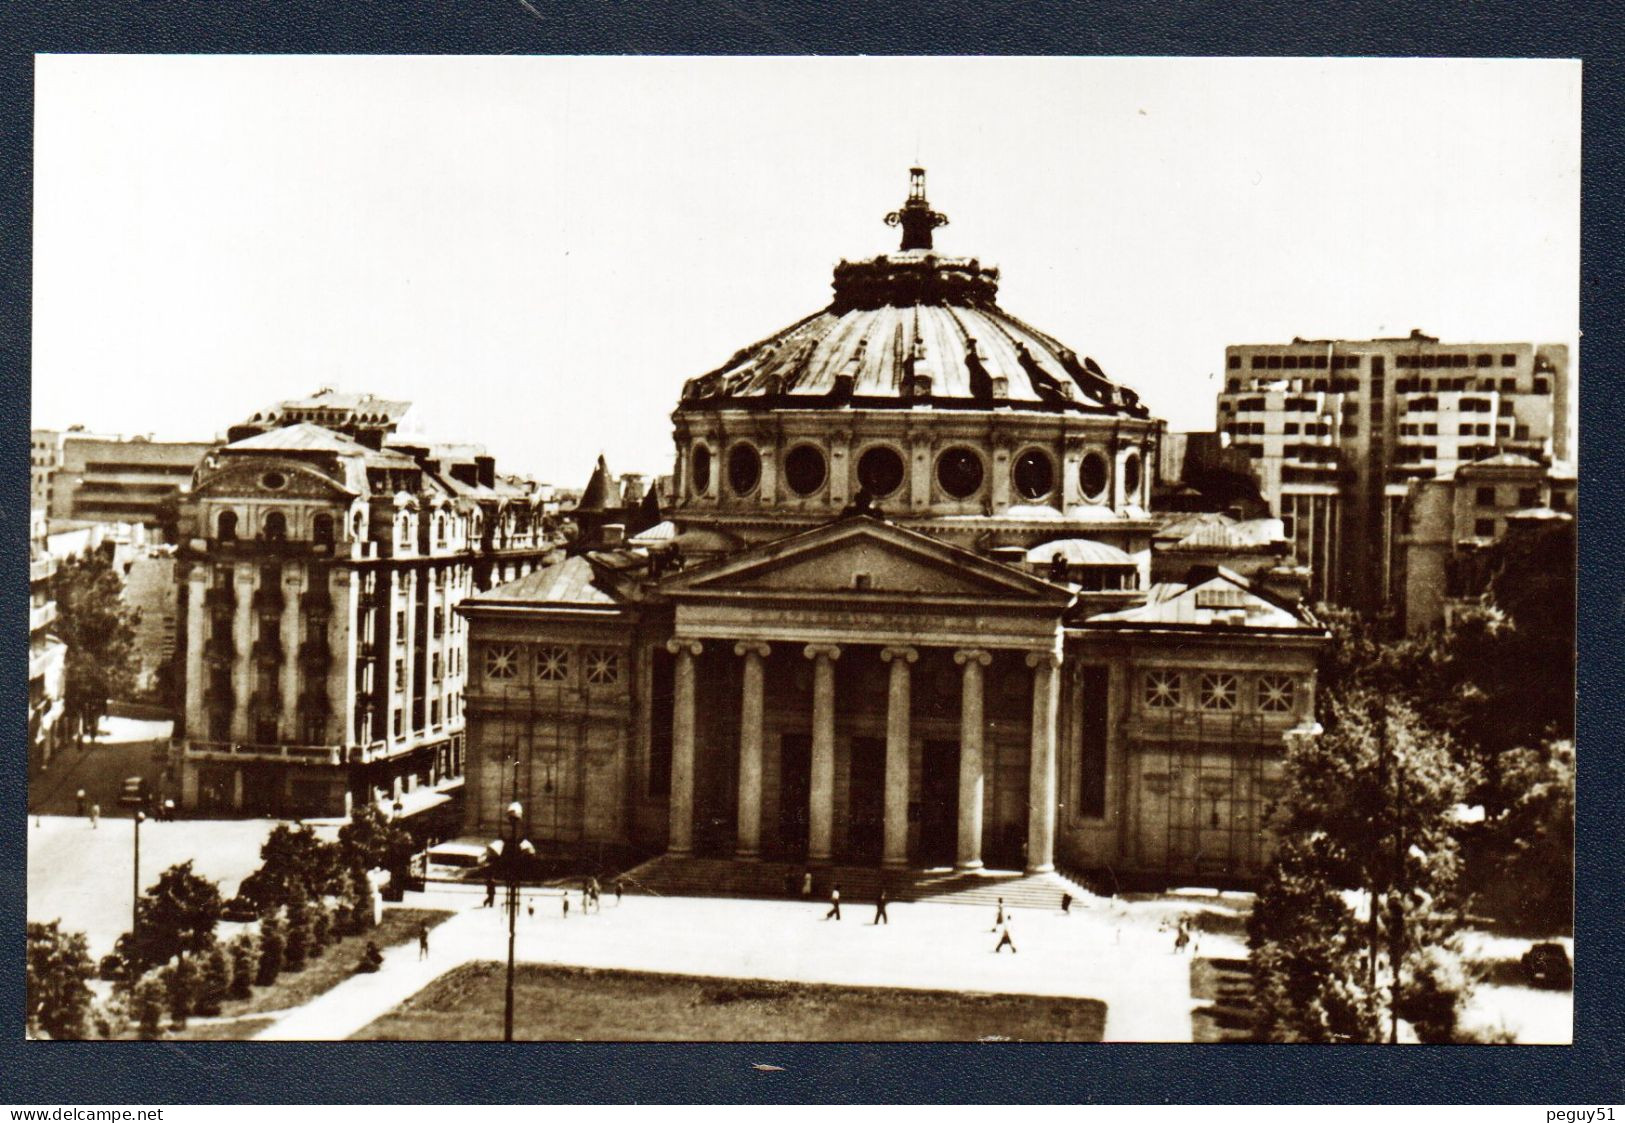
point(894, 852)
point(1041, 777)
point(970, 758)
point(821, 812)
point(750, 751)
point(681, 838)
point(197, 614)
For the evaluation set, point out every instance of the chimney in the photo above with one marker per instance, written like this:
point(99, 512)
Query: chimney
point(487, 470)
point(613, 534)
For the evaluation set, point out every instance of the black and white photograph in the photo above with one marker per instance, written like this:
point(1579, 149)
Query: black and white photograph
point(803, 549)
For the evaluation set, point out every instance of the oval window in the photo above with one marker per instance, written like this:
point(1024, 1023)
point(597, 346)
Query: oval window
point(1034, 474)
point(700, 466)
point(804, 469)
point(744, 469)
point(1131, 478)
point(1092, 475)
point(273, 481)
point(959, 472)
point(880, 471)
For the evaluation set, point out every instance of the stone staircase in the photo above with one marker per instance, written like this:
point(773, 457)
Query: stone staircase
point(667, 876)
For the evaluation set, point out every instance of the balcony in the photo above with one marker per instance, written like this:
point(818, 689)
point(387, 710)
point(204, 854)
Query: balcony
point(41, 616)
point(41, 569)
point(257, 750)
point(269, 599)
point(268, 649)
point(271, 548)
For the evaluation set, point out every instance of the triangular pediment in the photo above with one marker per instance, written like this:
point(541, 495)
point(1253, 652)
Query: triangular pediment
point(864, 558)
point(248, 479)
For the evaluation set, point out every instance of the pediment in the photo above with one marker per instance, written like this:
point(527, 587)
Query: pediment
point(242, 481)
point(864, 558)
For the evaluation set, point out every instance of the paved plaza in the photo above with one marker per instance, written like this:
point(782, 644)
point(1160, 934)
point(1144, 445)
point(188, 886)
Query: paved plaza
point(1116, 955)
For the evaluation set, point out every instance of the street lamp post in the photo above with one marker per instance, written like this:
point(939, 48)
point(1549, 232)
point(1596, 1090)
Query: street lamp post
point(135, 877)
point(509, 859)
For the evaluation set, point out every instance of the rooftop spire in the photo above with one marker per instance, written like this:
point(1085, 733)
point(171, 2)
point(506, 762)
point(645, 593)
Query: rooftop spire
point(916, 218)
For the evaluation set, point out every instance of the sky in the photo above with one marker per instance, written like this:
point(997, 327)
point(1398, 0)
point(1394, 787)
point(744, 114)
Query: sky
point(538, 251)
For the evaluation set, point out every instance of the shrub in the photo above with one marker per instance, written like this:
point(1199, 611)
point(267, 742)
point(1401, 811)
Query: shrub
point(272, 943)
point(321, 928)
point(213, 984)
point(244, 962)
point(371, 959)
point(1433, 989)
point(147, 1006)
point(296, 944)
point(360, 901)
point(181, 989)
point(58, 974)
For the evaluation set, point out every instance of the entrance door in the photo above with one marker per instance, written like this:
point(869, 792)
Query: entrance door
point(866, 799)
point(795, 789)
point(939, 803)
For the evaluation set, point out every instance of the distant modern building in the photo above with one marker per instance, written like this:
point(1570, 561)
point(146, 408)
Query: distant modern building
point(365, 418)
point(318, 574)
point(91, 478)
point(47, 656)
point(149, 590)
point(1339, 428)
point(1448, 523)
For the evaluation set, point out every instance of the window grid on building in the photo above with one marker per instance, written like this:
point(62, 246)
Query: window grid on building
point(1275, 694)
point(603, 667)
point(552, 664)
point(502, 662)
point(1218, 692)
point(1162, 690)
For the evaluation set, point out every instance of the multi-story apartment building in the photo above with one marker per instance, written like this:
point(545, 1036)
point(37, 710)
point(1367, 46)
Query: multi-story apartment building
point(91, 478)
point(1337, 429)
point(1449, 521)
point(46, 654)
point(318, 573)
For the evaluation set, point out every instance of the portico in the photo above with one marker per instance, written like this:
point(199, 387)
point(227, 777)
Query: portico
point(884, 602)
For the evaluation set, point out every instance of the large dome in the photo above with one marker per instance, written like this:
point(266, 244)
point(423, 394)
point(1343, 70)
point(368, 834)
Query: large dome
point(907, 330)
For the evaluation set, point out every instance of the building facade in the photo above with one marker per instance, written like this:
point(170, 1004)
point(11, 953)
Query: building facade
point(1449, 521)
point(115, 479)
point(47, 655)
point(1339, 428)
point(318, 577)
point(900, 614)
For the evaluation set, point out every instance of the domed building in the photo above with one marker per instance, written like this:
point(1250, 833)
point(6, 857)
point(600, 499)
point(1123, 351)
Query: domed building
point(899, 615)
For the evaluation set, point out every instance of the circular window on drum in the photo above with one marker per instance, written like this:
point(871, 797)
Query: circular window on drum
point(744, 469)
point(804, 469)
point(880, 471)
point(959, 472)
point(1131, 477)
point(1033, 474)
point(699, 466)
point(1092, 475)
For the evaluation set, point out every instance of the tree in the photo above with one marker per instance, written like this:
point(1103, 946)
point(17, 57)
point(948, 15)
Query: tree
point(288, 855)
point(214, 983)
point(181, 989)
point(369, 841)
point(272, 942)
point(321, 928)
point(243, 965)
point(1525, 871)
point(296, 947)
point(99, 632)
point(58, 981)
point(177, 916)
point(1368, 806)
point(147, 1006)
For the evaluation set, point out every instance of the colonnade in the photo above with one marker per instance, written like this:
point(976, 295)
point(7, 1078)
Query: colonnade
point(1041, 788)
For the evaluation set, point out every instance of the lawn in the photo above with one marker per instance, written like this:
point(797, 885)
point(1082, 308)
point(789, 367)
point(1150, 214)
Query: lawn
point(585, 1004)
point(337, 963)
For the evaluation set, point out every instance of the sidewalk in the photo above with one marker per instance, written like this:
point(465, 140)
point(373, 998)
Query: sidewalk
point(1116, 957)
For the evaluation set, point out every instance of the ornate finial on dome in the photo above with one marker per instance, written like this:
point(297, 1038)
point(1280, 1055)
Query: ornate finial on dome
point(916, 218)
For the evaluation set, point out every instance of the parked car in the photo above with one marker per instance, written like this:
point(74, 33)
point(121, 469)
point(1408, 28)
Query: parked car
point(452, 861)
point(134, 793)
point(1547, 965)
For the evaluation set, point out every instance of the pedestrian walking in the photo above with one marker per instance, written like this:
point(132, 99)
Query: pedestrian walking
point(530, 907)
point(618, 888)
point(79, 802)
point(806, 883)
point(1004, 937)
point(1066, 904)
point(95, 813)
point(1181, 939)
point(880, 909)
point(169, 811)
point(565, 897)
point(423, 941)
point(834, 903)
point(998, 920)
point(490, 892)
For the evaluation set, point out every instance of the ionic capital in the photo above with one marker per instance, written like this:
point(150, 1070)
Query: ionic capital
point(678, 646)
point(822, 650)
point(1048, 659)
point(966, 654)
point(747, 647)
point(907, 654)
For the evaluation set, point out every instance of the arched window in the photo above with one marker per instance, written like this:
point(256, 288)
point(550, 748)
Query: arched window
point(227, 526)
point(321, 529)
point(276, 526)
